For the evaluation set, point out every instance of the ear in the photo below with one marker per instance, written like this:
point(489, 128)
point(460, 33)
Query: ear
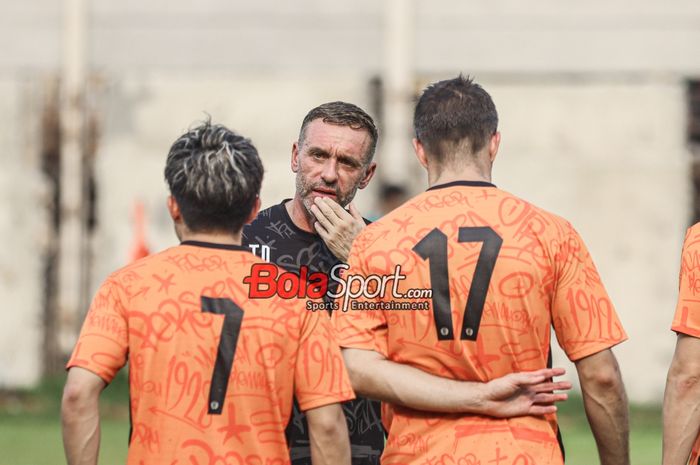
point(420, 153)
point(174, 210)
point(369, 172)
point(295, 157)
point(494, 143)
point(254, 211)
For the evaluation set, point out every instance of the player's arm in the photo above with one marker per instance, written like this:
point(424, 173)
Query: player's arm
point(605, 401)
point(80, 416)
point(328, 434)
point(529, 393)
point(682, 401)
point(336, 226)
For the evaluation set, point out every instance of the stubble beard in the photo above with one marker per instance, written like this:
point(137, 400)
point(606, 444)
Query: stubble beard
point(305, 188)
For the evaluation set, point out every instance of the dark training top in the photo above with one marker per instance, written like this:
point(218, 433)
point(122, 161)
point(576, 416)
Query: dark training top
point(274, 237)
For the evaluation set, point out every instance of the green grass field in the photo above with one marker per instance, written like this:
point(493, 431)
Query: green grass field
point(30, 430)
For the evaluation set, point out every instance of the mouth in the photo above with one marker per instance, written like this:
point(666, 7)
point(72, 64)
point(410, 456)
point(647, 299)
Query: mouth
point(324, 192)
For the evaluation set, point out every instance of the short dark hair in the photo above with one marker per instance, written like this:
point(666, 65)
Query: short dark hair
point(343, 114)
point(452, 112)
point(215, 176)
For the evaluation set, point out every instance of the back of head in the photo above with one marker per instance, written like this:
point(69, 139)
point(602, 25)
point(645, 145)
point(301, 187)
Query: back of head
point(214, 175)
point(343, 114)
point(454, 118)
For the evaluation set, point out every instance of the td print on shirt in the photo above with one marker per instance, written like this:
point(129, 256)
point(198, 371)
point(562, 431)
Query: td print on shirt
point(274, 237)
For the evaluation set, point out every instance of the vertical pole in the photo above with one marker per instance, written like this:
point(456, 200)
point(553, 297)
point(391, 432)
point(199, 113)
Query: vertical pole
point(72, 224)
point(398, 90)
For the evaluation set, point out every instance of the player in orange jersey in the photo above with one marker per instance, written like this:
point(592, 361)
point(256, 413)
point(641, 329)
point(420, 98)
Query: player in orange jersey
point(681, 415)
point(212, 373)
point(502, 272)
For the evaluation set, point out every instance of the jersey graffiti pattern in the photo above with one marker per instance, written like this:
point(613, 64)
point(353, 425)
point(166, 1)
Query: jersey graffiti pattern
point(502, 272)
point(211, 373)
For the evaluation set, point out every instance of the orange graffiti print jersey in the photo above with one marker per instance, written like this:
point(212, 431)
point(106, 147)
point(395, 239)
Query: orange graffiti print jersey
point(211, 372)
point(502, 273)
point(687, 317)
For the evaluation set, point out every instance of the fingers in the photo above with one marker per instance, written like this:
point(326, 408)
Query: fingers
point(331, 209)
point(528, 378)
point(322, 231)
point(548, 398)
point(551, 386)
point(542, 409)
point(550, 372)
point(355, 213)
point(321, 217)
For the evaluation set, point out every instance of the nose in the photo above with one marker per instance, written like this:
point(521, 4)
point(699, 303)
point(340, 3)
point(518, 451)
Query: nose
point(330, 171)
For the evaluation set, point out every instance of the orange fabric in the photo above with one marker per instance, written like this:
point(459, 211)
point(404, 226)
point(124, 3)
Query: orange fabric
point(543, 276)
point(687, 317)
point(152, 312)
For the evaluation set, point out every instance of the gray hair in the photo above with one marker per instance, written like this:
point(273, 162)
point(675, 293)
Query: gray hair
point(215, 176)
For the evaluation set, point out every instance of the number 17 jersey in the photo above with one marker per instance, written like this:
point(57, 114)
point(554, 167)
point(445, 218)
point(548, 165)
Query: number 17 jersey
point(502, 272)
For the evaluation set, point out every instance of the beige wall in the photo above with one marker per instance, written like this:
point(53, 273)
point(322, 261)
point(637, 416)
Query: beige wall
point(23, 229)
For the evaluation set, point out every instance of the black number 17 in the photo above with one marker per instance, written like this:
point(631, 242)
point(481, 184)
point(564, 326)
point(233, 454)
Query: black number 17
point(433, 247)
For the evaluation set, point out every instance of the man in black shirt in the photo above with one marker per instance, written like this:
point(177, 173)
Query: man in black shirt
point(332, 160)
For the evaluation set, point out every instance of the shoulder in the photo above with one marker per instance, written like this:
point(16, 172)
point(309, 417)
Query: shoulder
point(514, 209)
point(691, 243)
point(693, 233)
point(145, 265)
point(264, 217)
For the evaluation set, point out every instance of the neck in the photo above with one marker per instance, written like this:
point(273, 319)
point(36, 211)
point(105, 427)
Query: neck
point(447, 175)
point(299, 215)
point(214, 238)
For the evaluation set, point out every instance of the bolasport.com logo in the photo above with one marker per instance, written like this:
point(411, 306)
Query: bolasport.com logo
point(353, 291)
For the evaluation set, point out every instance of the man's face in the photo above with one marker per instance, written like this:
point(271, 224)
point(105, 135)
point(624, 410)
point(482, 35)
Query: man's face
point(331, 162)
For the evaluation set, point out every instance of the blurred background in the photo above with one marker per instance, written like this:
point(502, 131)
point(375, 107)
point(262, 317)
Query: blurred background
point(599, 105)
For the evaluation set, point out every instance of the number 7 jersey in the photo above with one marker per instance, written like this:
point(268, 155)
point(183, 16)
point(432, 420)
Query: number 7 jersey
point(211, 372)
point(502, 272)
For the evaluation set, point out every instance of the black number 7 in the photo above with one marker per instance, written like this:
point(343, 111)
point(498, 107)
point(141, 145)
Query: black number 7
point(233, 317)
point(433, 247)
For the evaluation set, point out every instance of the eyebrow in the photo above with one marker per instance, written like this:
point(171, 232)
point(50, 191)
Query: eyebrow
point(341, 158)
point(318, 151)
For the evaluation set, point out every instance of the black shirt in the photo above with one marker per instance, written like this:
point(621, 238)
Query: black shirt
point(274, 237)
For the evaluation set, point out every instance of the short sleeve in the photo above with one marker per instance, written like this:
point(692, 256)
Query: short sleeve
point(320, 377)
point(584, 318)
point(687, 317)
point(103, 343)
point(358, 320)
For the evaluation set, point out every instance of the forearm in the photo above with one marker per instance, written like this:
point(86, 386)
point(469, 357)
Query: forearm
point(605, 401)
point(328, 436)
point(81, 433)
point(399, 384)
point(80, 416)
point(608, 416)
point(681, 413)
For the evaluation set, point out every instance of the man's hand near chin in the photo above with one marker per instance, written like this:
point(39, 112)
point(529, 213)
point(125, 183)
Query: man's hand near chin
point(336, 226)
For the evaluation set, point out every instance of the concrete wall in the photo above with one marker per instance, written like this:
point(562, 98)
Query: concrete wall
point(23, 229)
